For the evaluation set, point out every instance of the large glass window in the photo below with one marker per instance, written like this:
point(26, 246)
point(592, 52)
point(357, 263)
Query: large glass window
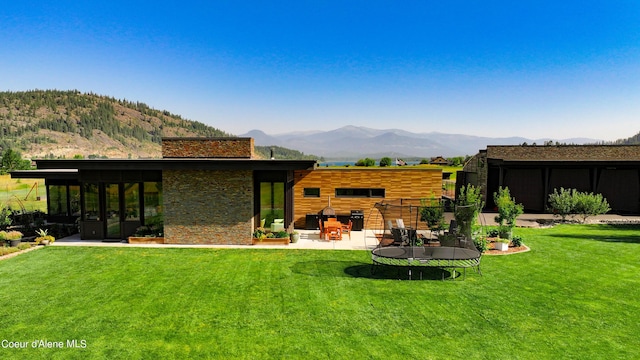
point(91, 202)
point(271, 201)
point(112, 208)
point(132, 201)
point(58, 200)
point(74, 200)
point(152, 202)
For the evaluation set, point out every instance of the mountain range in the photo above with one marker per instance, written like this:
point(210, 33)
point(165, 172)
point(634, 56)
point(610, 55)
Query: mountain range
point(66, 124)
point(355, 142)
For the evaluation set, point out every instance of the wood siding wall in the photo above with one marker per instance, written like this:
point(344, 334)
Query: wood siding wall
point(398, 183)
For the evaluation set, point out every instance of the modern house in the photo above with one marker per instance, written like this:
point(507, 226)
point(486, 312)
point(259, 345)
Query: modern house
point(533, 172)
point(212, 191)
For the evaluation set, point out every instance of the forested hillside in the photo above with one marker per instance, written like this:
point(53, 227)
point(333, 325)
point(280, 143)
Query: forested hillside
point(66, 124)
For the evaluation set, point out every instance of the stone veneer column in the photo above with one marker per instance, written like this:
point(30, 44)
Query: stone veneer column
point(208, 148)
point(208, 207)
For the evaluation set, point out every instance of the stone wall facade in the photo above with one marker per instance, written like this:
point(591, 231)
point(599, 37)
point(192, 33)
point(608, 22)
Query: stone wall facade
point(208, 148)
point(476, 173)
point(208, 207)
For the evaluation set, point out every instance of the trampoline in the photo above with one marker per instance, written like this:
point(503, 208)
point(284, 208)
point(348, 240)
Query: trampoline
point(404, 242)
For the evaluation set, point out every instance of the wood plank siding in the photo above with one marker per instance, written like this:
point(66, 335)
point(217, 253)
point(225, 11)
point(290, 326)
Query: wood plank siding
point(397, 184)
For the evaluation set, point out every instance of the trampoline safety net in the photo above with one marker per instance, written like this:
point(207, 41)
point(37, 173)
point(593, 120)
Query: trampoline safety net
point(406, 239)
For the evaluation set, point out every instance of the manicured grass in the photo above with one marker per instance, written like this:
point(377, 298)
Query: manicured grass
point(574, 299)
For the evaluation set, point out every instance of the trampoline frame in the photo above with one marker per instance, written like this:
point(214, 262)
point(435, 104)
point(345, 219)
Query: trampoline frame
point(428, 257)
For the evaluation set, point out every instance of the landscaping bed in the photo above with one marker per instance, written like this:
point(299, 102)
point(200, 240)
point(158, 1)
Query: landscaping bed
point(510, 250)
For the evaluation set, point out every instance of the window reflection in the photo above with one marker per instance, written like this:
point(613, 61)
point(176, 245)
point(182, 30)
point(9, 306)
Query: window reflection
point(91, 202)
point(58, 200)
point(152, 202)
point(132, 201)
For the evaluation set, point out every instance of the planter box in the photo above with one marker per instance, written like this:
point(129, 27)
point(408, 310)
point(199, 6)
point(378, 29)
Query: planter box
point(501, 246)
point(146, 240)
point(270, 241)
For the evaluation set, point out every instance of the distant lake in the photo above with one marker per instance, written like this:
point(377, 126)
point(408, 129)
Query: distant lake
point(353, 163)
point(337, 163)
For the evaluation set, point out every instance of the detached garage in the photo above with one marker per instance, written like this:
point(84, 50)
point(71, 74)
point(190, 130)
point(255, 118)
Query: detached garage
point(533, 172)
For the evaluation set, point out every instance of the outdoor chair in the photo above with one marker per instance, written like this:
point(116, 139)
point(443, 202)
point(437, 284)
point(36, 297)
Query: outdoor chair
point(400, 236)
point(323, 235)
point(277, 225)
point(335, 233)
point(346, 228)
point(453, 227)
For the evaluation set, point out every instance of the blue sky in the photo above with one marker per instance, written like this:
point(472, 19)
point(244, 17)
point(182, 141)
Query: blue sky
point(537, 69)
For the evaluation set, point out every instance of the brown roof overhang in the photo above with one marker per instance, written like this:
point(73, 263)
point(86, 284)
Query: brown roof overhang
point(176, 164)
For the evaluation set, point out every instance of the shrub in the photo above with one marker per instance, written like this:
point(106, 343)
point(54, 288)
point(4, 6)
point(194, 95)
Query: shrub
point(572, 202)
point(154, 227)
point(516, 241)
point(366, 162)
point(385, 161)
point(590, 204)
point(508, 210)
point(260, 233)
point(11, 235)
point(504, 232)
point(481, 243)
point(432, 212)
point(562, 203)
point(468, 205)
point(5, 217)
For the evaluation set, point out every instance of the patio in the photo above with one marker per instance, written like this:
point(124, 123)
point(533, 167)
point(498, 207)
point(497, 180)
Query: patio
point(360, 240)
point(309, 239)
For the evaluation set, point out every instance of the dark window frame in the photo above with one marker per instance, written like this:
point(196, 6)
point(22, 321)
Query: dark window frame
point(360, 192)
point(314, 195)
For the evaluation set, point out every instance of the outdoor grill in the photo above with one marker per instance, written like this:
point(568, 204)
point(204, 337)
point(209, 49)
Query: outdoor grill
point(326, 213)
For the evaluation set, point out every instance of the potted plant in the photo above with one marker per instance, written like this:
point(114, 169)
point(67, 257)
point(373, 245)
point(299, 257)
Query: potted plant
point(43, 237)
point(501, 244)
point(295, 236)
point(13, 238)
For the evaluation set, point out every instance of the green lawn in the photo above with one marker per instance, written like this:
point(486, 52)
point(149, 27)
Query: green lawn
point(575, 295)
